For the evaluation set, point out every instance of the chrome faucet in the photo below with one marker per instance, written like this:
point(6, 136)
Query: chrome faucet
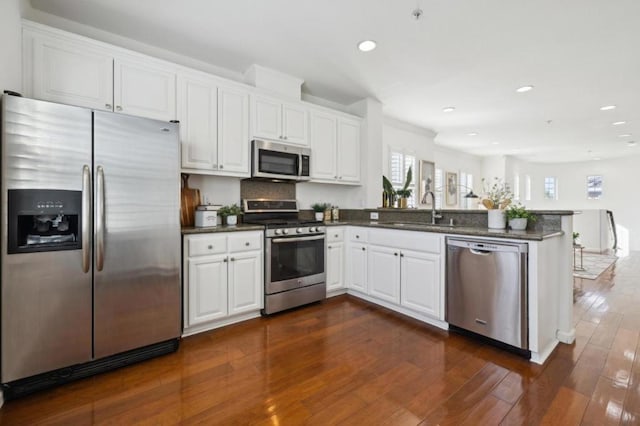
point(434, 214)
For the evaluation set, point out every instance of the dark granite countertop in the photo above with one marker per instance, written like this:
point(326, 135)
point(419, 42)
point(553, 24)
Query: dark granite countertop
point(221, 228)
point(473, 211)
point(455, 230)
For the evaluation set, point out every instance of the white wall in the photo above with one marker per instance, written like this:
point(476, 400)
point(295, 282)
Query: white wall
point(620, 179)
point(10, 45)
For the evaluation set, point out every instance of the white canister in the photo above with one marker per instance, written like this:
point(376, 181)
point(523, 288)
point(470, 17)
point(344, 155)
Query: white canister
point(206, 216)
point(497, 218)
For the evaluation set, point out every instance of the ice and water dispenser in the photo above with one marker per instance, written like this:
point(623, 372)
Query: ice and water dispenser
point(44, 220)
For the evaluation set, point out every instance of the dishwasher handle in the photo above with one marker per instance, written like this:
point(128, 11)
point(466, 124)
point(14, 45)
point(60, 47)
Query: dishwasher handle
point(487, 246)
point(480, 252)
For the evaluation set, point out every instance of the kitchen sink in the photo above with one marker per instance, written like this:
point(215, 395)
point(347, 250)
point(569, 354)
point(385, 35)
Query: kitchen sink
point(419, 224)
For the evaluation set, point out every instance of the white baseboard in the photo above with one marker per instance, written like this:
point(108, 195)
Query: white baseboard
point(567, 337)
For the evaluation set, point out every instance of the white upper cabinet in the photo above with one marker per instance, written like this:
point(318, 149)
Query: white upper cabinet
point(214, 126)
point(70, 73)
point(69, 69)
point(277, 120)
point(143, 89)
point(335, 144)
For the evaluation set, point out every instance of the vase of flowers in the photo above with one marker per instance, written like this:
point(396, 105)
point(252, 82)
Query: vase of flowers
point(497, 197)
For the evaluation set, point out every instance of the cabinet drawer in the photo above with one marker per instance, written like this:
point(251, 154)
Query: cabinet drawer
point(201, 245)
point(245, 241)
point(334, 234)
point(358, 235)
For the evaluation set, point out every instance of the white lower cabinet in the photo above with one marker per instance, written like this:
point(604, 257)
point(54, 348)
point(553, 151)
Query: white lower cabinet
point(398, 269)
point(223, 279)
point(335, 260)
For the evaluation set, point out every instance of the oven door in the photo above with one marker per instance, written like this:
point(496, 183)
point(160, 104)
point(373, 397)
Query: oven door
point(294, 262)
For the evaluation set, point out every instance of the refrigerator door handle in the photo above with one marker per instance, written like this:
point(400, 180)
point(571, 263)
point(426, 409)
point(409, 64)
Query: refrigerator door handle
point(86, 217)
point(100, 218)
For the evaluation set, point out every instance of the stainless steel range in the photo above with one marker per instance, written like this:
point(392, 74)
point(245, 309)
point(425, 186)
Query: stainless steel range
point(294, 254)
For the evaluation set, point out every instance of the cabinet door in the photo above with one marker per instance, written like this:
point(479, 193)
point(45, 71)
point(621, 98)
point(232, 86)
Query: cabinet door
point(73, 74)
point(324, 132)
point(420, 282)
point(348, 151)
point(233, 131)
point(294, 124)
point(384, 273)
point(245, 282)
point(267, 118)
point(198, 115)
point(358, 267)
point(207, 289)
point(335, 266)
point(144, 90)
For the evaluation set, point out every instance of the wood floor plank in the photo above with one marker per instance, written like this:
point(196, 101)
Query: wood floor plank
point(606, 405)
point(567, 408)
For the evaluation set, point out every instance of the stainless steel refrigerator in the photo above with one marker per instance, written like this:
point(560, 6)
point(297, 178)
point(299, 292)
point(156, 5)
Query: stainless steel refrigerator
point(90, 241)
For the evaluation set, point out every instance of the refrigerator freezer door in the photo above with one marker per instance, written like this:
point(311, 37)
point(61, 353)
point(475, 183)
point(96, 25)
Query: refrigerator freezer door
point(137, 292)
point(46, 296)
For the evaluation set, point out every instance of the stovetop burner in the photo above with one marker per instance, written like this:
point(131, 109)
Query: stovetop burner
point(281, 223)
point(279, 215)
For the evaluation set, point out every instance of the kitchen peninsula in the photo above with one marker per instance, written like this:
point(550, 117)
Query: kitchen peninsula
point(363, 259)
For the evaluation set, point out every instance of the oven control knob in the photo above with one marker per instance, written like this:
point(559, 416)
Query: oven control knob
point(285, 231)
point(312, 229)
point(278, 231)
point(299, 230)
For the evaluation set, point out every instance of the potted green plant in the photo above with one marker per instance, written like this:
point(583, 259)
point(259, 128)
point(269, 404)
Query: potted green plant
point(405, 192)
point(230, 213)
point(497, 197)
point(519, 216)
point(576, 235)
point(388, 193)
point(319, 209)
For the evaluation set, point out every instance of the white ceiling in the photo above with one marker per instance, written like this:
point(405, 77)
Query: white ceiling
point(470, 54)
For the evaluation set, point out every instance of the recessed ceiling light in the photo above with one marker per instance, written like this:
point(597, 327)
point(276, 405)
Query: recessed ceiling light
point(618, 123)
point(631, 143)
point(596, 158)
point(448, 109)
point(472, 134)
point(367, 45)
point(626, 135)
point(495, 143)
point(607, 107)
point(524, 89)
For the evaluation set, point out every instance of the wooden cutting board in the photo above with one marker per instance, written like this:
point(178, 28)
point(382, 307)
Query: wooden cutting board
point(189, 200)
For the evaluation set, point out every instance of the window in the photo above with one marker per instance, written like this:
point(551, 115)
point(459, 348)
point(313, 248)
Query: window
point(465, 186)
point(438, 188)
point(516, 187)
point(399, 164)
point(550, 188)
point(594, 187)
point(527, 188)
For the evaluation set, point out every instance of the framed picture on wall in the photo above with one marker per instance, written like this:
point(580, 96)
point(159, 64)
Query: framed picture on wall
point(451, 197)
point(427, 181)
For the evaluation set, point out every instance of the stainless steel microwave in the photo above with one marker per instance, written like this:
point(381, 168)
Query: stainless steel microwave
point(273, 160)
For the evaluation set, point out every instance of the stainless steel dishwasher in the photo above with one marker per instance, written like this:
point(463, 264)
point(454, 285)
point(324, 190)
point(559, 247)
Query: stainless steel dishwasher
point(487, 289)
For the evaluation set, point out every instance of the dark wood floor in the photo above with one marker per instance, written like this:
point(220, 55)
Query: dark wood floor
point(348, 362)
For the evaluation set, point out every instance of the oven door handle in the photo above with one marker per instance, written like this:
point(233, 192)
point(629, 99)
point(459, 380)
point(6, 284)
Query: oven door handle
point(295, 239)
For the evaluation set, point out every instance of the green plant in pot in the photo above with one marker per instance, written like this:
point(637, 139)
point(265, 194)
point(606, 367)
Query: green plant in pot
point(405, 192)
point(388, 193)
point(230, 213)
point(518, 217)
point(320, 209)
point(576, 235)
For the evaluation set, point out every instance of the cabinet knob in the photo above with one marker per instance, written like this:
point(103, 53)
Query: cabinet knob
point(225, 260)
point(339, 177)
point(210, 247)
point(395, 254)
point(335, 177)
point(363, 249)
point(335, 235)
point(233, 259)
point(328, 246)
point(401, 255)
point(357, 236)
point(118, 108)
point(221, 167)
point(108, 106)
point(247, 244)
point(280, 137)
point(285, 138)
